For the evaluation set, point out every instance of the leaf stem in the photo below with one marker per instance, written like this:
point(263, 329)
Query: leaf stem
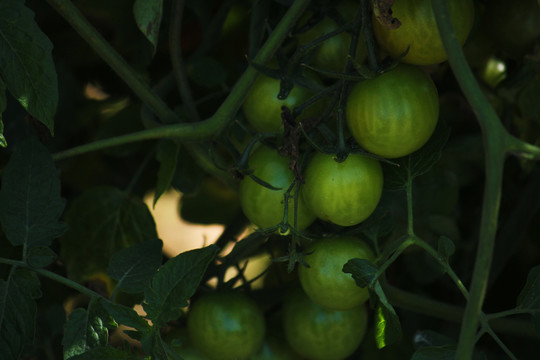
point(224, 114)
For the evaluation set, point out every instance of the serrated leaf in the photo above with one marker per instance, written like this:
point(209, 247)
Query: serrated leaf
point(421, 161)
point(40, 256)
point(85, 330)
point(387, 325)
point(175, 282)
point(134, 266)
point(30, 201)
point(17, 312)
point(529, 297)
point(167, 156)
point(102, 221)
point(153, 344)
point(26, 63)
point(362, 271)
point(445, 248)
point(126, 316)
point(148, 15)
point(105, 353)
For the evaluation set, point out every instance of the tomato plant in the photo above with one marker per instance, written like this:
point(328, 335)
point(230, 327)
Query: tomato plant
point(265, 206)
point(324, 280)
point(344, 193)
point(319, 333)
point(394, 114)
point(332, 54)
point(418, 31)
point(226, 325)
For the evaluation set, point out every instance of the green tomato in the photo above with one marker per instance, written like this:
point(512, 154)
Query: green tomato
point(332, 53)
point(419, 30)
point(262, 108)
point(264, 207)
point(324, 281)
point(275, 349)
point(343, 193)
point(394, 114)
point(322, 334)
point(226, 325)
point(179, 341)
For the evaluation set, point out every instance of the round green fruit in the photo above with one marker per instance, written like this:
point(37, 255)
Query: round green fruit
point(324, 281)
point(395, 113)
point(419, 32)
point(344, 193)
point(226, 325)
point(322, 334)
point(264, 207)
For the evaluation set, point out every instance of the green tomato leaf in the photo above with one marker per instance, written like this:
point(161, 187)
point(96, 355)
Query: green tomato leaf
point(40, 256)
point(405, 169)
point(362, 271)
point(446, 248)
point(85, 329)
point(26, 63)
point(148, 18)
point(102, 221)
point(153, 344)
point(126, 316)
point(17, 312)
point(133, 267)
point(175, 282)
point(387, 325)
point(167, 156)
point(30, 201)
point(105, 353)
point(188, 177)
point(529, 298)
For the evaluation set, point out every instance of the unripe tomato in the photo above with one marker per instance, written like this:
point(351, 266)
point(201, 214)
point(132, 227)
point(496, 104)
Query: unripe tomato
point(394, 114)
point(275, 349)
point(322, 334)
point(264, 207)
point(419, 30)
point(324, 281)
point(332, 53)
point(262, 108)
point(226, 326)
point(343, 193)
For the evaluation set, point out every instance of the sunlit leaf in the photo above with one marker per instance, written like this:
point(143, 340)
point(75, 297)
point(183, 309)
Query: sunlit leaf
point(26, 63)
point(387, 325)
point(17, 312)
point(30, 201)
point(175, 282)
point(148, 15)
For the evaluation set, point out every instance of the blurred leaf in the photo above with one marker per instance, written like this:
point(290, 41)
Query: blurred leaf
point(26, 63)
point(102, 221)
point(105, 353)
point(435, 353)
point(85, 329)
point(206, 71)
point(148, 18)
point(126, 316)
point(167, 156)
point(17, 312)
point(214, 203)
point(418, 163)
point(30, 202)
point(387, 325)
point(175, 282)
point(153, 344)
point(40, 256)
point(188, 177)
point(446, 248)
point(529, 298)
point(133, 267)
point(362, 271)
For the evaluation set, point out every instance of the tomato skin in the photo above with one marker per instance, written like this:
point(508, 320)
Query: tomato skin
point(419, 30)
point(226, 325)
point(324, 281)
point(264, 207)
point(322, 334)
point(394, 114)
point(262, 108)
point(343, 193)
point(275, 349)
point(332, 53)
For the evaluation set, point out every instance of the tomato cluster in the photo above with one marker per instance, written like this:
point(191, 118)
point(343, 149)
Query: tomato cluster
point(292, 181)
